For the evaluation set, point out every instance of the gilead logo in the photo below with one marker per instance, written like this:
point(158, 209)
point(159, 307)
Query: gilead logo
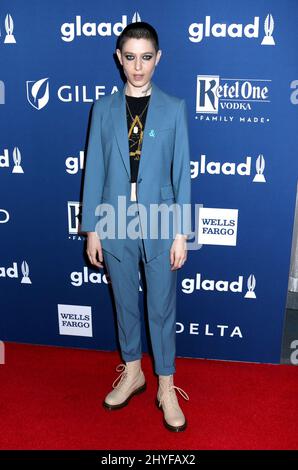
point(38, 93)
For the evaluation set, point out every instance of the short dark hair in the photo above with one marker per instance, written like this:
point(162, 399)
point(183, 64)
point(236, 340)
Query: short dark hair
point(138, 30)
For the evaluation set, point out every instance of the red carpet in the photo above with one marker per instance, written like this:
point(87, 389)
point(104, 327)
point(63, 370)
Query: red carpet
point(51, 399)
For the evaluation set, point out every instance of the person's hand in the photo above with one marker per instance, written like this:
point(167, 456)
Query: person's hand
point(94, 249)
point(178, 252)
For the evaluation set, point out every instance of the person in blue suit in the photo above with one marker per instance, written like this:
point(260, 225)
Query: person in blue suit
point(138, 160)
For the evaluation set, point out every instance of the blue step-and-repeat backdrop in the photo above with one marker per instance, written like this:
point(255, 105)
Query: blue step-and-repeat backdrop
point(235, 63)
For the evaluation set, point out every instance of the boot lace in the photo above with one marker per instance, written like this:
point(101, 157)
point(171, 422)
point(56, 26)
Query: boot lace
point(121, 377)
point(172, 394)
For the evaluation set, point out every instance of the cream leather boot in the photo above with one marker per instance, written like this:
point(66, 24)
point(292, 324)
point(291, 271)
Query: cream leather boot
point(174, 419)
point(131, 382)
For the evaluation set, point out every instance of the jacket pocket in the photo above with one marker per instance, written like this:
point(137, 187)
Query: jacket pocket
point(106, 192)
point(164, 129)
point(167, 192)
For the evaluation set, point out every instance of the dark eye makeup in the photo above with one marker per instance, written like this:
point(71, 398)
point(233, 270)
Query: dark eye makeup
point(131, 57)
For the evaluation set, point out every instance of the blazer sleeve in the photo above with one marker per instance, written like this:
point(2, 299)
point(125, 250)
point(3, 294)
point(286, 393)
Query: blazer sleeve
point(181, 177)
point(94, 173)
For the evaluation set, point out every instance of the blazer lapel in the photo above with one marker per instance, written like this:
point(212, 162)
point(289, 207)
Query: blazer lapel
point(153, 122)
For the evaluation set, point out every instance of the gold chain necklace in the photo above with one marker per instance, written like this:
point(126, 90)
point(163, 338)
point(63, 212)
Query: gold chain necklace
point(136, 128)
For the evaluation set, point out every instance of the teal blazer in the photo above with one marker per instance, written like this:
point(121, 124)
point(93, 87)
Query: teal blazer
point(163, 176)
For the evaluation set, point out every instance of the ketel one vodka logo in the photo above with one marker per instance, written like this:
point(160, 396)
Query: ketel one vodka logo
point(8, 24)
point(73, 212)
point(215, 94)
point(38, 93)
point(199, 31)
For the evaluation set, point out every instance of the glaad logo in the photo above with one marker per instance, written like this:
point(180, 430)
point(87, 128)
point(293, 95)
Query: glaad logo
point(16, 155)
point(75, 320)
point(268, 39)
point(25, 272)
point(12, 272)
point(2, 92)
point(4, 216)
point(78, 278)
point(260, 167)
point(71, 30)
point(229, 168)
point(190, 285)
point(74, 164)
point(36, 95)
point(251, 284)
point(8, 23)
point(197, 31)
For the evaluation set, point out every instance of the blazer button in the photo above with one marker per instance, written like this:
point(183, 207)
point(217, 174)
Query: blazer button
point(140, 180)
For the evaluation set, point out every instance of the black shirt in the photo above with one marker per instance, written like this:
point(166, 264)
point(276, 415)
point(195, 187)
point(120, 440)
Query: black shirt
point(135, 122)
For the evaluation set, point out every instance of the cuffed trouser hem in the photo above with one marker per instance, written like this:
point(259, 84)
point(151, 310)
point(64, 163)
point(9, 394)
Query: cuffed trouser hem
point(165, 371)
point(131, 358)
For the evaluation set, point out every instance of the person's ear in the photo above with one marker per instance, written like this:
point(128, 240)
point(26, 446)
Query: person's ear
point(118, 52)
point(159, 53)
